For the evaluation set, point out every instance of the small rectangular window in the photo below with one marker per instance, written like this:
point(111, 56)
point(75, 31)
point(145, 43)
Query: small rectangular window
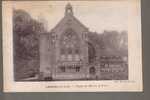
point(77, 69)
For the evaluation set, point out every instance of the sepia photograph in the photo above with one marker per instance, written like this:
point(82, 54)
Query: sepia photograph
point(72, 41)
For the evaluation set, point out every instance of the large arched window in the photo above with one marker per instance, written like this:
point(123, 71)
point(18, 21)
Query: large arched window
point(70, 46)
point(91, 53)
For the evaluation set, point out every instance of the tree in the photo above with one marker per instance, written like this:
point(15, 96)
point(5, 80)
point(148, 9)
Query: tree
point(26, 46)
point(115, 42)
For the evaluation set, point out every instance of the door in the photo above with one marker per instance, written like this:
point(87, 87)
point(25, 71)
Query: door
point(92, 72)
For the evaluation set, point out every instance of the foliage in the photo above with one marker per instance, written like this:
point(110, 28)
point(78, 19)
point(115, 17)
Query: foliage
point(26, 48)
point(110, 42)
point(116, 43)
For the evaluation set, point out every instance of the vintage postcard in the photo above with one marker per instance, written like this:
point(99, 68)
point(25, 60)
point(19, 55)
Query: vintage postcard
point(72, 46)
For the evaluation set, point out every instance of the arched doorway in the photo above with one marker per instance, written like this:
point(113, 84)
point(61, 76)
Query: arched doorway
point(92, 72)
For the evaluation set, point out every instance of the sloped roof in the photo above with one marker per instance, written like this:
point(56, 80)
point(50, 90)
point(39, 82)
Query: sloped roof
point(66, 18)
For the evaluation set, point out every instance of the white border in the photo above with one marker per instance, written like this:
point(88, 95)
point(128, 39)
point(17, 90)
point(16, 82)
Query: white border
point(135, 60)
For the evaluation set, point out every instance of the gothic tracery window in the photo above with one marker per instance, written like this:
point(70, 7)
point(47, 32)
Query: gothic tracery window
point(69, 45)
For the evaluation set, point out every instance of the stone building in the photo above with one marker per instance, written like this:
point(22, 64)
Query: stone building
point(67, 53)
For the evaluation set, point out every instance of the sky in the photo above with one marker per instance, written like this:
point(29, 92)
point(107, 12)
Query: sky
point(97, 15)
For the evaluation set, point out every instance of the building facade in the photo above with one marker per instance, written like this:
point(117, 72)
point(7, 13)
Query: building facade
point(67, 53)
